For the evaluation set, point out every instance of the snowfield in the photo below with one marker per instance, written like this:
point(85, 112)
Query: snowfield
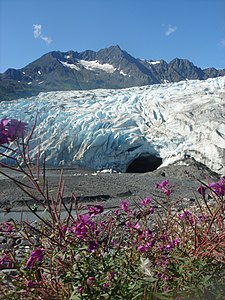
point(108, 129)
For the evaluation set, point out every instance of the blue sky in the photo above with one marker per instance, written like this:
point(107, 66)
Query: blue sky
point(151, 29)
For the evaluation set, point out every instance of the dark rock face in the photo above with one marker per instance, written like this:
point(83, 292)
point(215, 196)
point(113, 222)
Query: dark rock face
point(212, 73)
point(66, 71)
point(183, 68)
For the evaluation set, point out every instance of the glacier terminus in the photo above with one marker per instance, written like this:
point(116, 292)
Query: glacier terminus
point(110, 129)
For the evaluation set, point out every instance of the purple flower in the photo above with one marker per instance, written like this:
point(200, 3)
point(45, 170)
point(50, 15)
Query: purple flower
point(163, 238)
point(36, 256)
point(3, 125)
point(16, 129)
point(150, 244)
point(137, 225)
point(90, 280)
point(186, 215)
point(8, 227)
point(145, 248)
point(30, 284)
point(148, 233)
point(169, 247)
point(3, 139)
point(218, 187)
point(141, 248)
point(95, 210)
point(180, 216)
point(116, 212)
point(160, 275)
point(151, 210)
point(204, 218)
point(161, 247)
point(11, 130)
point(146, 201)
point(106, 286)
point(64, 229)
point(3, 132)
point(168, 192)
point(81, 226)
point(80, 230)
point(175, 242)
point(6, 261)
point(93, 246)
point(163, 184)
point(84, 218)
point(80, 289)
point(222, 180)
point(124, 205)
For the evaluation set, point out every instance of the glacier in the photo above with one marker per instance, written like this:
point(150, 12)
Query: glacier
point(109, 129)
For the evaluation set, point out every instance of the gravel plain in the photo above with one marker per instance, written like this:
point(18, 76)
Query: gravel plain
point(109, 189)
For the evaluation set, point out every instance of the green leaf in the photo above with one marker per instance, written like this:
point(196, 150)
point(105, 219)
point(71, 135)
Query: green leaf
point(75, 297)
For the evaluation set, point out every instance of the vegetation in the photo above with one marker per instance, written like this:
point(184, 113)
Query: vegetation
point(135, 252)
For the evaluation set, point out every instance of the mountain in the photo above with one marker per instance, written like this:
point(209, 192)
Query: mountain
point(125, 129)
point(108, 68)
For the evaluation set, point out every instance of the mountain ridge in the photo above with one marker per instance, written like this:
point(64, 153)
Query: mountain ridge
point(110, 67)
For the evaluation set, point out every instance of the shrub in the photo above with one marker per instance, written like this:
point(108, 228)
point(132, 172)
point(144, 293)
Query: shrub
point(148, 250)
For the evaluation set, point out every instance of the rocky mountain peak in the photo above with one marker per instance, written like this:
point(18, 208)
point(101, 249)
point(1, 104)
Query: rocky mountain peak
point(110, 67)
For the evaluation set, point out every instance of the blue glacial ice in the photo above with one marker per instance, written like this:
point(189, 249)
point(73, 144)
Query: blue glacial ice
point(108, 129)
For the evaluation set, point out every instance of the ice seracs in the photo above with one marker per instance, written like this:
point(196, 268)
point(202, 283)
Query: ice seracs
point(108, 129)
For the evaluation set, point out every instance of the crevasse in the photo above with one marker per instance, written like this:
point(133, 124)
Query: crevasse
point(110, 128)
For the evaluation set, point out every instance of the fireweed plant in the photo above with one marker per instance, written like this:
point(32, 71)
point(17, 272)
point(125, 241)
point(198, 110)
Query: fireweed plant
point(148, 250)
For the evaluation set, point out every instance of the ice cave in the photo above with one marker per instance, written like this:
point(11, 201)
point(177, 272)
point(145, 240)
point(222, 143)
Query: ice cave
point(144, 163)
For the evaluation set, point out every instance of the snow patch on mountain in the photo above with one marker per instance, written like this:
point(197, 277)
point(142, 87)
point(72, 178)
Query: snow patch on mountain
point(123, 73)
point(71, 66)
point(94, 64)
point(108, 129)
point(152, 62)
point(90, 65)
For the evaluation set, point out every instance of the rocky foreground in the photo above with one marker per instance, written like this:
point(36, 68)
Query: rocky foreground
point(110, 188)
